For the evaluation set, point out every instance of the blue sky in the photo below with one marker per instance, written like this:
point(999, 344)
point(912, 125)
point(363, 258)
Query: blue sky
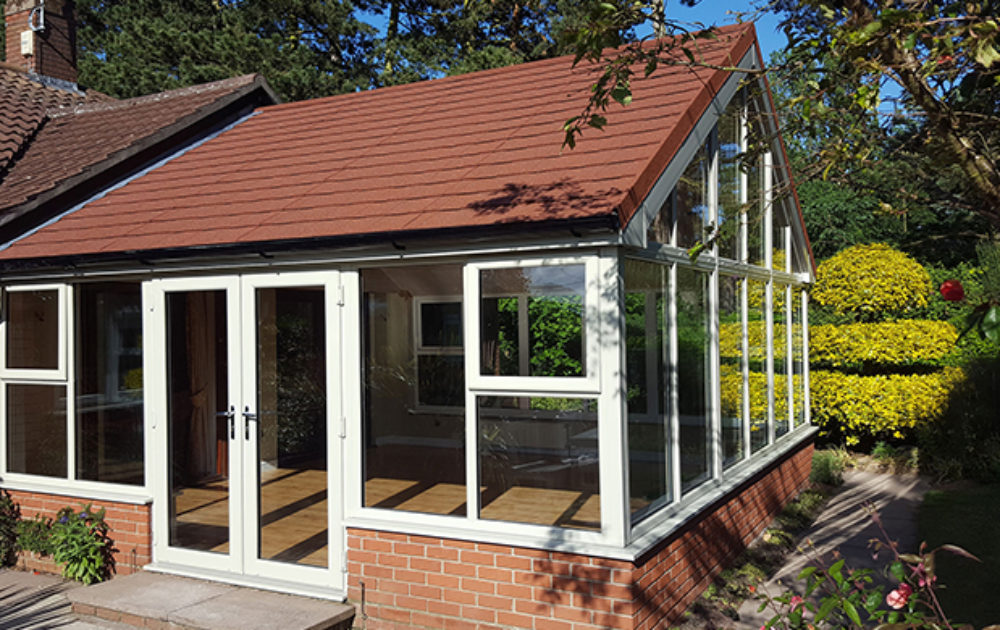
point(720, 13)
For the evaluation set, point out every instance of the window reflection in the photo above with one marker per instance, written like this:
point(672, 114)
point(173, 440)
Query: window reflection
point(693, 375)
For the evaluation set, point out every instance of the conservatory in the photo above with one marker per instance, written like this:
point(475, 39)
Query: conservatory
point(396, 347)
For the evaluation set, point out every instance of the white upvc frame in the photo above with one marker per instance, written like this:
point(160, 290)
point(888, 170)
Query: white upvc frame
point(589, 383)
point(64, 296)
point(332, 575)
point(158, 426)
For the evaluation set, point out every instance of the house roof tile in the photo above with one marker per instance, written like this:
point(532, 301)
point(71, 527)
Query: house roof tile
point(465, 151)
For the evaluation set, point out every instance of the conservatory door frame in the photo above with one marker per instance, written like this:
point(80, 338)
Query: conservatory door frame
point(241, 561)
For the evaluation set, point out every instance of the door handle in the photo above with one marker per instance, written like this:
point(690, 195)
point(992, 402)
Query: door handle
point(231, 416)
point(248, 416)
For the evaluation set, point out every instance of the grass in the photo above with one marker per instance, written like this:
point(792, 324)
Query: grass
point(966, 516)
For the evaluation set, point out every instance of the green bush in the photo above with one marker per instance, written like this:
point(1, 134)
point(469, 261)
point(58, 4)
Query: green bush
point(10, 516)
point(871, 283)
point(883, 344)
point(827, 468)
point(888, 406)
point(81, 544)
point(35, 535)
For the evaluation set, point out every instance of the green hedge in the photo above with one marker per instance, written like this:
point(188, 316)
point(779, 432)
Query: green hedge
point(882, 406)
point(899, 343)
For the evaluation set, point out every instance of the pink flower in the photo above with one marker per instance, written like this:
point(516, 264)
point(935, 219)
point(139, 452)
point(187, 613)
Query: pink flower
point(952, 291)
point(795, 602)
point(898, 598)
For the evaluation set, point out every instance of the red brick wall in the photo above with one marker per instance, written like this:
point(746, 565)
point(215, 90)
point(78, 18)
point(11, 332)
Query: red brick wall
point(129, 524)
point(419, 581)
point(55, 47)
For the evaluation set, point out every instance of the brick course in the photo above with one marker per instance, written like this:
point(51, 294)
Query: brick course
point(130, 529)
point(427, 582)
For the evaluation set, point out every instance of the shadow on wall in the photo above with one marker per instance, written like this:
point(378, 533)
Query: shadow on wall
point(665, 581)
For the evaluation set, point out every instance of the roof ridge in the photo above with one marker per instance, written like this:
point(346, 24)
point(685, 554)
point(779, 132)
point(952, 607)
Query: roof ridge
point(730, 30)
point(86, 108)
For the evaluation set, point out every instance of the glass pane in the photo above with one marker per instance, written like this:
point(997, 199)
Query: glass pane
point(33, 330)
point(663, 223)
point(731, 368)
point(647, 393)
point(756, 143)
point(782, 386)
point(538, 461)
point(730, 179)
point(757, 357)
point(532, 321)
point(291, 426)
point(36, 430)
point(414, 404)
point(691, 195)
point(441, 324)
point(798, 358)
point(109, 382)
point(693, 392)
point(197, 393)
point(779, 238)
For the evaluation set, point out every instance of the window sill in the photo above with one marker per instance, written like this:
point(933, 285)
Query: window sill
point(91, 491)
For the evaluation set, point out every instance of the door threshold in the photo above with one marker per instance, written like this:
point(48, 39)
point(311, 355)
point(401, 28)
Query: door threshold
point(250, 581)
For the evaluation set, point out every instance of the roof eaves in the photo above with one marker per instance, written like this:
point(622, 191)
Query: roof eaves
point(175, 136)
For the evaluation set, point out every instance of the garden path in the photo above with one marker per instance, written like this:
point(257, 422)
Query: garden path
point(844, 527)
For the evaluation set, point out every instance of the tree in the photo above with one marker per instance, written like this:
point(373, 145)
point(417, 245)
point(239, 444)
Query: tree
point(305, 48)
point(941, 56)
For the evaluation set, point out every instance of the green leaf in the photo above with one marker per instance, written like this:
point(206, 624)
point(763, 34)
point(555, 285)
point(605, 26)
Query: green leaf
point(852, 612)
point(897, 571)
point(806, 572)
point(835, 571)
point(826, 608)
point(986, 54)
point(597, 122)
point(958, 551)
point(991, 324)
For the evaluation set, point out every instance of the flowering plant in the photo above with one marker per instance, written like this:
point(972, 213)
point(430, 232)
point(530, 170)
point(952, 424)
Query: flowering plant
point(986, 315)
point(839, 597)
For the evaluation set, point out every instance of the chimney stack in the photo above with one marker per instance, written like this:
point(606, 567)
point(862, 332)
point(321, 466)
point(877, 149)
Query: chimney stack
point(41, 37)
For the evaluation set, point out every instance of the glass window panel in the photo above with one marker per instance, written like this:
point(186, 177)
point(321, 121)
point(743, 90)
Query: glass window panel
point(414, 454)
point(798, 358)
point(109, 419)
point(730, 179)
point(757, 359)
point(36, 430)
point(532, 321)
point(441, 324)
point(781, 364)
point(33, 329)
point(779, 237)
point(291, 426)
point(538, 461)
point(693, 375)
point(756, 143)
point(731, 368)
point(647, 391)
point(691, 196)
point(197, 393)
point(663, 223)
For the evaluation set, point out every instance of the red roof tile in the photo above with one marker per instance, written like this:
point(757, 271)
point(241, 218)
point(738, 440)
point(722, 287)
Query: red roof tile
point(464, 151)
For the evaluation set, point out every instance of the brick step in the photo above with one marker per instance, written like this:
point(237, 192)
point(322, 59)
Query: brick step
point(155, 600)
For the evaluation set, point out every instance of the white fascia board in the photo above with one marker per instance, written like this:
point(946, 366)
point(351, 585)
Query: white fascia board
point(635, 232)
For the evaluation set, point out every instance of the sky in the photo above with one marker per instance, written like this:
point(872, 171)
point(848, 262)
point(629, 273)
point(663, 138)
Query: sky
point(721, 12)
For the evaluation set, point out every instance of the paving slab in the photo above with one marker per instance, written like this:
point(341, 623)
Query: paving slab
point(846, 528)
point(197, 604)
point(146, 594)
point(246, 609)
point(30, 600)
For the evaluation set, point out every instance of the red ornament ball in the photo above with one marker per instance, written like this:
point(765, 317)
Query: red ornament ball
point(952, 291)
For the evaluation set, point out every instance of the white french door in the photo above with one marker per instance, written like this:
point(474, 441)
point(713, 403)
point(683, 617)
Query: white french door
point(243, 389)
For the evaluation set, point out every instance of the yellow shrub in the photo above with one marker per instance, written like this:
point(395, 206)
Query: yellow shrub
point(904, 342)
point(732, 395)
point(729, 340)
point(879, 406)
point(871, 280)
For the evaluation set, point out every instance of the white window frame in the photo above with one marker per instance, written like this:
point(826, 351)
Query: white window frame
point(421, 349)
point(589, 383)
point(64, 376)
point(60, 372)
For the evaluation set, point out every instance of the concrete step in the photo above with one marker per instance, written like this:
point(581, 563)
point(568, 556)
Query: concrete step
point(156, 600)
